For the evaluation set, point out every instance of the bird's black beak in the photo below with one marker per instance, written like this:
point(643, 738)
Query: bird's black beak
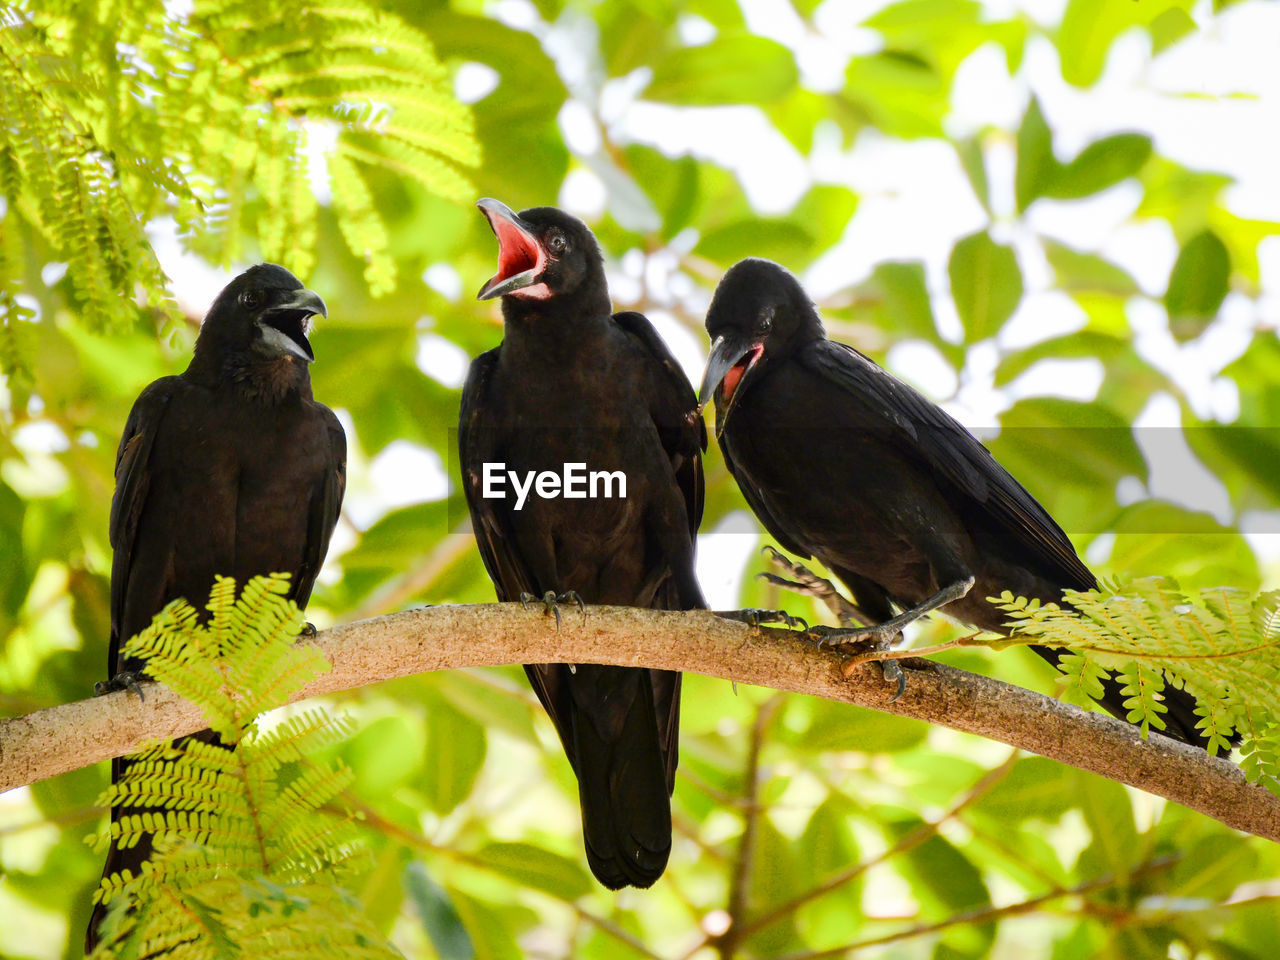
point(284, 324)
point(728, 364)
point(520, 256)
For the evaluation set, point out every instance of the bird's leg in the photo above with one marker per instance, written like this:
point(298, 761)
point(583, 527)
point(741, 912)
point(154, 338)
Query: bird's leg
point(809, 584)
point(124, 680)
point(550, 604)
point(883, 634)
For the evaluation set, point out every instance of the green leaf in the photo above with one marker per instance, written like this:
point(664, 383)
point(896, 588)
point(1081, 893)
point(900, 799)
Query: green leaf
point(1101, 164)
point(438, 914)
point(385, 754)
point(896, 300)
point(899, 91)
point(538, 868)
point(1079, 272)
point(1069, 455)
point(1108, 813)
point(1197, 285)
point(775, 885)
point(453, 755)
point(1037, 166)
point(1035, 787)
point(780, 239)
point(831, 726)
point(1089, 27)
point(986, 284)
point(974, 163)
point(1086, 344)
point(1170, 27)
point(1154, 537)
point(729, 69)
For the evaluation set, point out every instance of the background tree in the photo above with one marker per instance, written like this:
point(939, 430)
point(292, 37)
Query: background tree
point(1056, 219)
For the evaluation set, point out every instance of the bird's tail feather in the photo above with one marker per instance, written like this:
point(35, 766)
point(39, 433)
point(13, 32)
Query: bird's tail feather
point(622, 778)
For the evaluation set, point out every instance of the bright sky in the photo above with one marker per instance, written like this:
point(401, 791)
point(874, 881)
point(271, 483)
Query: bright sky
point(915, 202)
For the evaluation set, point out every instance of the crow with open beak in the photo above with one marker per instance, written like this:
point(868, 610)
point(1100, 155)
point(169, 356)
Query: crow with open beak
point(572, 382)
point(842, 461)
point(229, 468)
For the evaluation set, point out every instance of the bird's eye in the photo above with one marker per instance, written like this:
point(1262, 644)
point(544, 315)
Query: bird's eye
point(557, 244)
point(765, 323)
point(250, 298)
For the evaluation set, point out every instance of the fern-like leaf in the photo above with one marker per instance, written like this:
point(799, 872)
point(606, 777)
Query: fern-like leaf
point(1219, 645)
point(249, 840)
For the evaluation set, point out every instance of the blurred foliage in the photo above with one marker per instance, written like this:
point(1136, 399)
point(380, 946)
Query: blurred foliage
point(803, 827)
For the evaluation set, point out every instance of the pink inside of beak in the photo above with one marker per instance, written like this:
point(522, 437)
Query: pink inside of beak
point(517, 251)
point(738, 370)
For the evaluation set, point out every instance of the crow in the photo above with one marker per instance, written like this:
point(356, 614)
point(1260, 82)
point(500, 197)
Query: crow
point(574, 384)
point(842, 461)
point(228, 468)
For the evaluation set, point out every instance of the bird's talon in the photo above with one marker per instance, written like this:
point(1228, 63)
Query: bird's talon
point(893, 673)
point(571, 596)
point(124, 680)
point(308, 629)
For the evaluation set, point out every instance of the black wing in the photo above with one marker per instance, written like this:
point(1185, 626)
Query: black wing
point(133, 481)
point(952, 452)
point(476, 445)
point(323, 510)
point(675, 414)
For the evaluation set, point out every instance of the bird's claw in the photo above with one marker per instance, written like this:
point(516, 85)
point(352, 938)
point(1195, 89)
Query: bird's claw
point(551, 602)
point(893, 673)
point(806, 581)
point(308, 629)
point(124, 680)
point(878, 636)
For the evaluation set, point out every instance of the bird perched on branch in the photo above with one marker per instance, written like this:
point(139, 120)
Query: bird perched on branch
point(574, 384)
point(842, 461)
point(229, 468)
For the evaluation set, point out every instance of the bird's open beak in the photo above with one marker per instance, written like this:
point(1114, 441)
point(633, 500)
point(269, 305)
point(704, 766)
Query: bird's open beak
point(729, 363)
point(284, 325)
point(520, 256)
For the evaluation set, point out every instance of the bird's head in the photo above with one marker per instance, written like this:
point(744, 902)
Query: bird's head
point(543, 253)
point(759, 314)
point(264, 313)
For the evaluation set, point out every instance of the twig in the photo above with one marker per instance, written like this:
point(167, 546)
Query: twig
point(73, 735)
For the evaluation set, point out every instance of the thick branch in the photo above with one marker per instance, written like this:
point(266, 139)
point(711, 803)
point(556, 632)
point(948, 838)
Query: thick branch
point(67, 737)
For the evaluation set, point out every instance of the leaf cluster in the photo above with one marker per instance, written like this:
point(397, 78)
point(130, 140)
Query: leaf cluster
point(250, 831)
point(1219, 644)
point(118, 113)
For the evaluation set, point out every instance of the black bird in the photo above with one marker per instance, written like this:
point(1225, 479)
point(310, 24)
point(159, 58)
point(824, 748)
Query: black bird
point(572, 383)
point(228, 468)
point(842, 461)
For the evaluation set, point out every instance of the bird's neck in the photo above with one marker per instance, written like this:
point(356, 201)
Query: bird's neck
point(269, 382)
point(557, 329)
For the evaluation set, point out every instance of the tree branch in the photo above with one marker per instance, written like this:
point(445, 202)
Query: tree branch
point(67, 737)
